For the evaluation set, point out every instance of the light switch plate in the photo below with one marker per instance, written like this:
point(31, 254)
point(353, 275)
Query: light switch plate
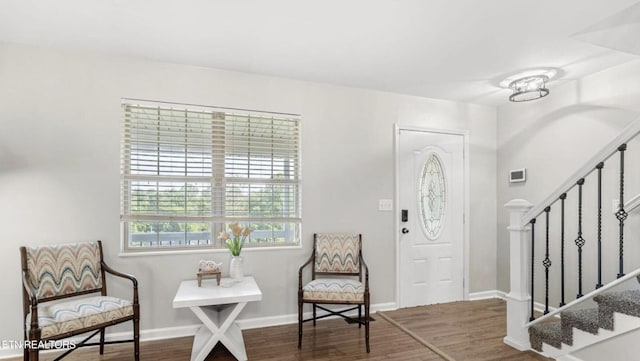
point(385, 205)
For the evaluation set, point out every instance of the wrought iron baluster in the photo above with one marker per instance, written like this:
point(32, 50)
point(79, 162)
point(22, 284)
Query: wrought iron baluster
point(546, 263)
point(563, 197)
point(533, 237)
point(599, 168)
point(621, 214)
point(580, 241)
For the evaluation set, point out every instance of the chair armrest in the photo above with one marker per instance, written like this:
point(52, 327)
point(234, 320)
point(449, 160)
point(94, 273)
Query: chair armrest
point(300, 271)
point(366, 271)
point(126, 276)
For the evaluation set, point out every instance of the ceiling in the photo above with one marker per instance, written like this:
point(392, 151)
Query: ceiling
point(447, 49)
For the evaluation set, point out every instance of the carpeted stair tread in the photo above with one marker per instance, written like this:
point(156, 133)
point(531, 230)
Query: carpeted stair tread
point(555, 332)
point(582, 319)
point(629, 297)
point(545, 332)
point(627, 302)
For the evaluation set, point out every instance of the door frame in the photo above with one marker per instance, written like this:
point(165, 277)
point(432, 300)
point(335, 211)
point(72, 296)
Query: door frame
point(466, 205)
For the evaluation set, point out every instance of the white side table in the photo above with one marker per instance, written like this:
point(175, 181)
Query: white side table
point(217, 307)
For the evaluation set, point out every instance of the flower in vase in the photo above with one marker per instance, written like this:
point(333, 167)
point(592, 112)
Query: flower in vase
point(239, 233)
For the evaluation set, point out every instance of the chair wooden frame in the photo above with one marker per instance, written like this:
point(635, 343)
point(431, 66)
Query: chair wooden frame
point(30, 306)
point(358, 304)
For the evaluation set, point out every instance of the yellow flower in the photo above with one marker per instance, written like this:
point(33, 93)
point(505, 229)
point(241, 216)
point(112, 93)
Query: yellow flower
point(234, 243)
point(236, 229)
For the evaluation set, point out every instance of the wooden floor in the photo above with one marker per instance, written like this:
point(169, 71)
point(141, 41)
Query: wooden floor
point(466, 331)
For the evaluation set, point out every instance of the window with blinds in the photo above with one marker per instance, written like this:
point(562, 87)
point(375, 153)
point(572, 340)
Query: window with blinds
point(188, 173)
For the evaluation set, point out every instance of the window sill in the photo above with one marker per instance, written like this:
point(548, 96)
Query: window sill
point(144, 253)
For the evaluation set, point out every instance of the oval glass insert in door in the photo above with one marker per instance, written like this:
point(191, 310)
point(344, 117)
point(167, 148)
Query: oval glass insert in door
point(432, 192)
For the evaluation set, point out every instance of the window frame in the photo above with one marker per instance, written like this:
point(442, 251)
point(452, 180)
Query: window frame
point(218, 219)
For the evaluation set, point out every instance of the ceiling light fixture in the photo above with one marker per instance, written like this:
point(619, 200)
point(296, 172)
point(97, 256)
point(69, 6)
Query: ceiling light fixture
point(529, 88)
point(529, 85)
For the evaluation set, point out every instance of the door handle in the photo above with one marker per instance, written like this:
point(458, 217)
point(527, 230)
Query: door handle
point(405, 231)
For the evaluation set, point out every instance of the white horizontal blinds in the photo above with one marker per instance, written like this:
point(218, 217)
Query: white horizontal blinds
point(188, 172)
point(168, 142)
point(167, 163)
point(262, 169)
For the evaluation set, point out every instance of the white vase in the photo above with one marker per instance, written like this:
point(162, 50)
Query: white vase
point(236, 269)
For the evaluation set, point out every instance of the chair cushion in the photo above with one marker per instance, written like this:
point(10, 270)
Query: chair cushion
point(334, 289)
point(64, 269)
point(56, 318)
point(337, 252)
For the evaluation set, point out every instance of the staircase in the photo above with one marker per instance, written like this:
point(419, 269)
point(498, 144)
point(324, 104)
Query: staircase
point(616, 313)
point(538, 253)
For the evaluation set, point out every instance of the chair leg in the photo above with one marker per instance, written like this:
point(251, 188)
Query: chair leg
point(25, 356)
point(359, 316)
point(366, 325)
point(33, 354)
point(299, 324)
point(314, 315)
point(102, 341)
point(136, 338)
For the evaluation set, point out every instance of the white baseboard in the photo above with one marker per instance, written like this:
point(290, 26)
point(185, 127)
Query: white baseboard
point(190, 330)
point(157, 333)
point(515, 344)
point(540, 307)
point(476, 296)
point(484, 295)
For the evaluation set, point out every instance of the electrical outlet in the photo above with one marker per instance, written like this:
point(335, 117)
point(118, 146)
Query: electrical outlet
point(385, 205)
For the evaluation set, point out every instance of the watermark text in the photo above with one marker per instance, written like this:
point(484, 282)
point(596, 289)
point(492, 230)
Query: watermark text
point(40, 345)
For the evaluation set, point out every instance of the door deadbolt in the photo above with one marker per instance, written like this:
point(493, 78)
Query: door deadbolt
point(405, 231)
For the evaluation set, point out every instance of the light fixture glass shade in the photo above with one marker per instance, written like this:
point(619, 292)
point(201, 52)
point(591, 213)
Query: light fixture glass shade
point(529, 88)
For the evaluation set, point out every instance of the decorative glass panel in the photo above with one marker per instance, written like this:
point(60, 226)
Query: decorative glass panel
point(432, 195)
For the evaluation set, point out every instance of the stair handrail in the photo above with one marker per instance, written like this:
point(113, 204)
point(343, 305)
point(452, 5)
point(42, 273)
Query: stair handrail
point(628, 133)
point(632, 204)
point(586, 297)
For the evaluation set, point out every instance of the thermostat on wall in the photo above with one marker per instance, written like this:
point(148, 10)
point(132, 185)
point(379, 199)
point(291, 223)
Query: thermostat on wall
point(517, 175)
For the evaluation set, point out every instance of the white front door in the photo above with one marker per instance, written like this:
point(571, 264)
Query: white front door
point(431, 212)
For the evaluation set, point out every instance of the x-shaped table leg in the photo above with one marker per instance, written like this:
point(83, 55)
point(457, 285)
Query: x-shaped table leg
point(218, 326)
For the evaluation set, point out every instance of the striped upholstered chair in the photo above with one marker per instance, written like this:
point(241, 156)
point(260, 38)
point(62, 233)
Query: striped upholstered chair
point(60, 284)
point(337, 260)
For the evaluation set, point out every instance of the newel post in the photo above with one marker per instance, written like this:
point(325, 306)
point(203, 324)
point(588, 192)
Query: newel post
point(519, 259)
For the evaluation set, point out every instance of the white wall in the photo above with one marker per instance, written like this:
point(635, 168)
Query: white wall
point(59, 170)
